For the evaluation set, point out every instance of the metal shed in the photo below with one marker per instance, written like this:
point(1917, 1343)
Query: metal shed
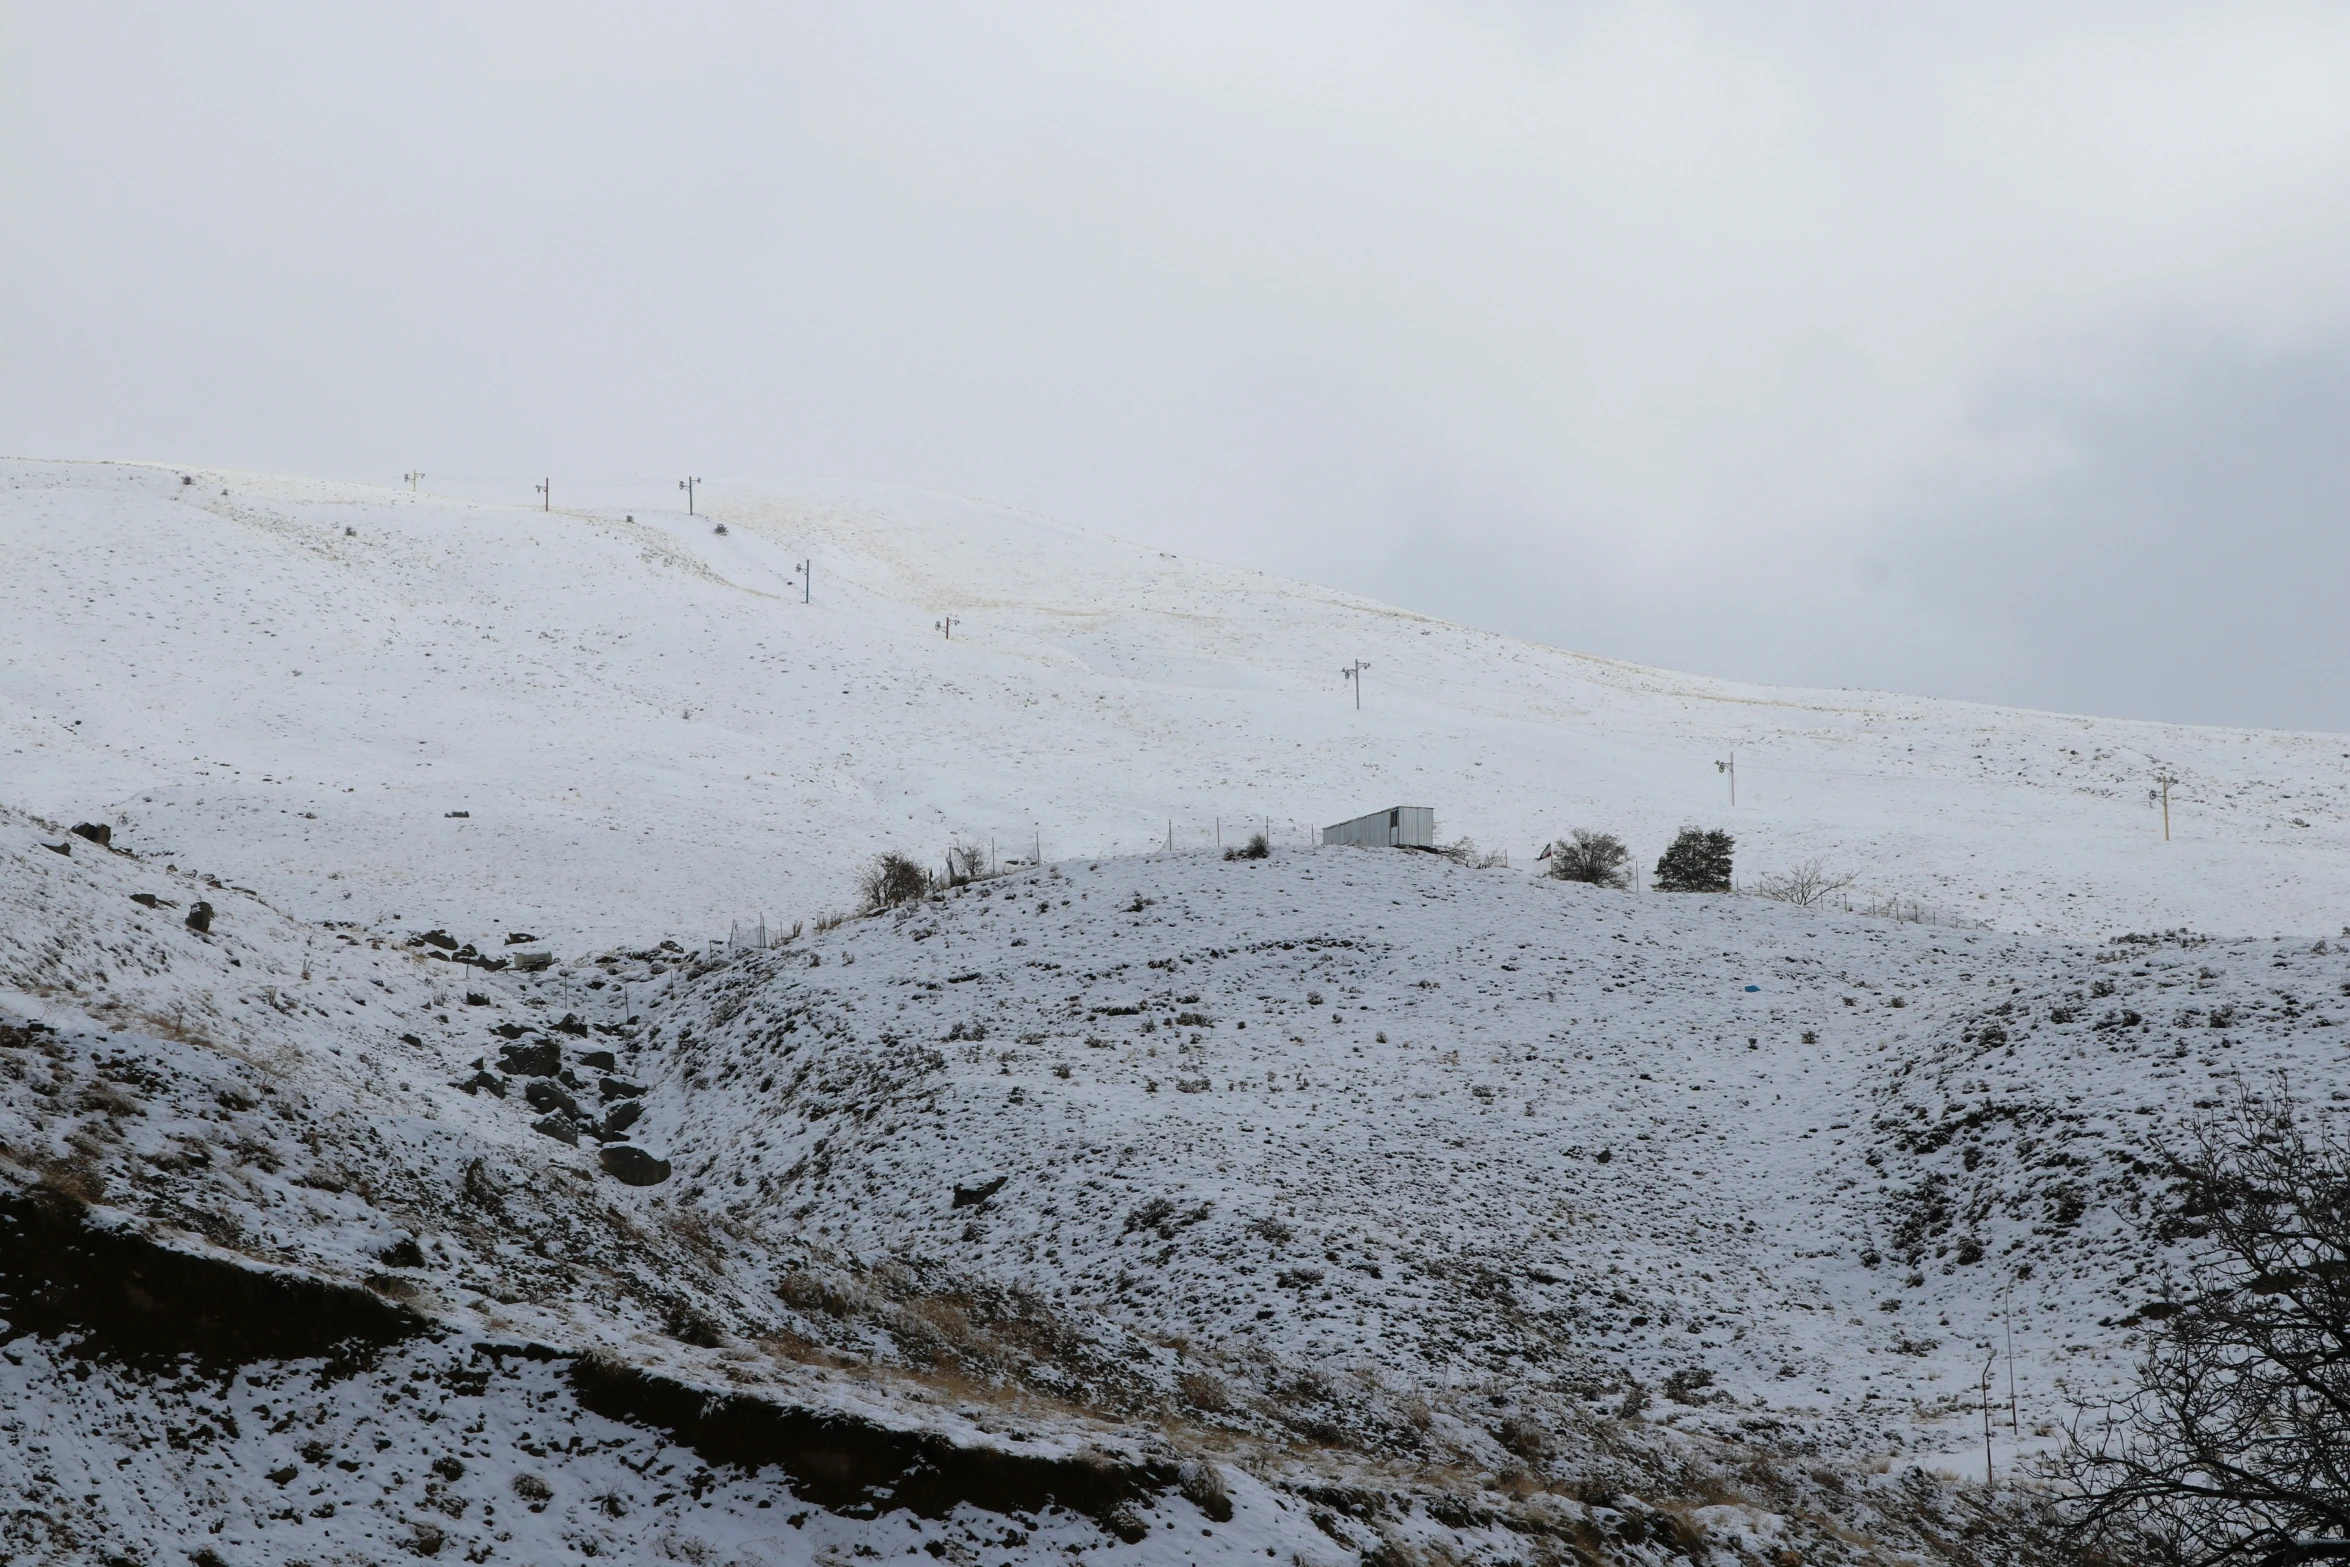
point(1398, 827)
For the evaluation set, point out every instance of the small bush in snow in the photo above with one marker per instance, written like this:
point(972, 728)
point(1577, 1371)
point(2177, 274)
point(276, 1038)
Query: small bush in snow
point(968, 861)
point(1806, 884)
point(1596, 859)
point(1698, 861)
point(891, 881)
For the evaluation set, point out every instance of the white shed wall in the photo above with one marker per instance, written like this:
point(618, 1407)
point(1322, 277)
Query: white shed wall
point(1398, 827)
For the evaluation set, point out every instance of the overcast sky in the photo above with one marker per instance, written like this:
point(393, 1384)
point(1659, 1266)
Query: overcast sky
point(1987, 351)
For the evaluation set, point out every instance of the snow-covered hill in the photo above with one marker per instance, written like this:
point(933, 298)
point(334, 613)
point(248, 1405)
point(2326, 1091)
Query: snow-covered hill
point(1325, 1206)
point(648, 732)
point(1484, 1206)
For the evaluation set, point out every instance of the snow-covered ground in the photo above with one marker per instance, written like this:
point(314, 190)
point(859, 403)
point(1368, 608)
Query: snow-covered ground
point(651, 734)
point(1147, 1201)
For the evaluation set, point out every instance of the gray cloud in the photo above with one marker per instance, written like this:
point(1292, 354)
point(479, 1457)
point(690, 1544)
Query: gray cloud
point(1824, 342)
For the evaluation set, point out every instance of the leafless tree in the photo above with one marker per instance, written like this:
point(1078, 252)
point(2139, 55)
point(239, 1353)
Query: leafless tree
point(968, 861)
point(1597, 859)
point(890, 880)
point(1806, 883)
point(2236, 1446)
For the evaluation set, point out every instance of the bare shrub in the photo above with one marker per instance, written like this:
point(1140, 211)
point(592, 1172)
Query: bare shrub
point(2231, 1450)
point(1806, 884)
point(891, 881)
point(1464, 851)
point(969, 861)
point(1202, 1391)
point(1257, 847)
point(1596, 859)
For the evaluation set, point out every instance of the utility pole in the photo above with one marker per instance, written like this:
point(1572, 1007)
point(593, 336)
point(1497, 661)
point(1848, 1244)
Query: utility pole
point(1731, 768)
point(2166, 780)
point(546, 489)
point(412, 478)
point(687, 484)
point(949, 623)
point(1987, 1365)
point(808, 581)
point(2015, 1419)
point(1354, 672)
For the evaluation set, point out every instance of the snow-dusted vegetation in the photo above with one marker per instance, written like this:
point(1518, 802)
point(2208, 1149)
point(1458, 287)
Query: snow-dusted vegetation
point(376, 1180)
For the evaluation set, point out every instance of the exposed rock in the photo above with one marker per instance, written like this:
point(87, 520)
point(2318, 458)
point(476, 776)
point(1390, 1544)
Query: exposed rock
point(539, 1058)
point(509, 1030)
point(973, 1196)
point(65, 849)
point(620, 1117)
point(544, 1095)
point(617, 1088)
point(97, 832)
point(571, 1024)
point(200, 918)
point(485, 1080)
point(632, 1166)
point(563, 1129)
point(437, 938)
point(515, 938)
point(601, 1060)
point(402, 1253)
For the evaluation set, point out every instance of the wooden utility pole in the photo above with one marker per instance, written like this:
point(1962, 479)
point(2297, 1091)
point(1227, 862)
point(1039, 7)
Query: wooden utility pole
point(412, 478)
point(687, 484)
point(1730, 767)
point(1987, 1365)
point(2015, 1419)
point(2166, 781)
point(546, 488)
point(1354, 672)
point(949, 623)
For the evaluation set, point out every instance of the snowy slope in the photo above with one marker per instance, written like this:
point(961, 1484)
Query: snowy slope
point(650, 734)
point(1145, 1202)
point(1399, 1126)
point(1111, 1159)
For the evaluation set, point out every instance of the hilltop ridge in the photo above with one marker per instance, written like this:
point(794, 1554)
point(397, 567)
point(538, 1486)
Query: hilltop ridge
point(377, 703)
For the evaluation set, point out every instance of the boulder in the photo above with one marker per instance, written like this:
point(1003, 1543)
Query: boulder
point(560, 1127)
point(571, 1024)
point(97, 832)
point(544, 1095)
point(402, 1253)
point(539, 1058)
point(601, 1060)
point(620, 1117)
point(632, 1166)
point(616, 1088)
point(480, 1081)
point(973, 1196)
point(200, 918)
